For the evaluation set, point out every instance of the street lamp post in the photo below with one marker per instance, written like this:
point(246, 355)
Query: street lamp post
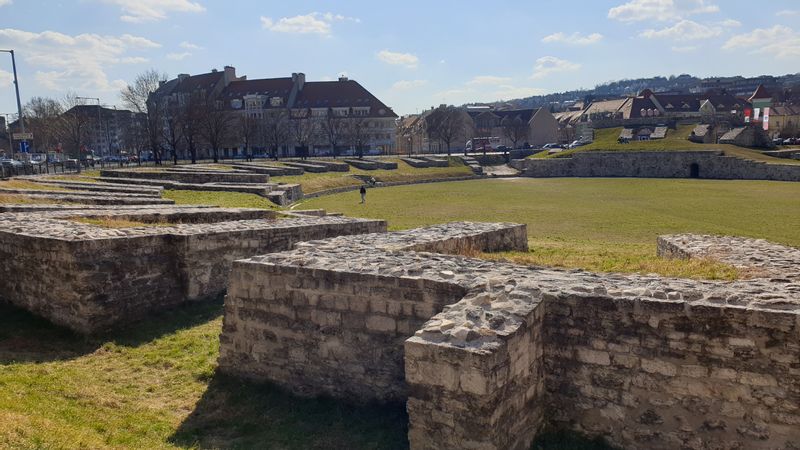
point(16, 88)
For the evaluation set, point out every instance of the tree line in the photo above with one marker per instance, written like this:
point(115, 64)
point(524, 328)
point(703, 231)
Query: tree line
point(447, 124)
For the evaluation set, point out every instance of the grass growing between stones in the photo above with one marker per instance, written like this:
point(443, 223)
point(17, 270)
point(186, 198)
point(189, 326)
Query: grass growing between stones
point(112, 222)
point(605, 139)
point(19, 199)
point(595, 224)
point(25, 184)
point(220, 199)
point(316, 182)
point(155, 386)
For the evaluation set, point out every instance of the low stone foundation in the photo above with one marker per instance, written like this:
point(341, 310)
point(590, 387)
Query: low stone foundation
point(89, 278)
point(688, 164)
point(643, 361)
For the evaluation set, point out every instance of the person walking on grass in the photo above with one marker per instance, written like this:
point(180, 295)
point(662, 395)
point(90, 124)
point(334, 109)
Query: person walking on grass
point(363, 192)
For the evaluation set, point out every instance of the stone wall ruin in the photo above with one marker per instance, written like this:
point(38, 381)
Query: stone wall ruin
point(89, 278)
point(487, 353)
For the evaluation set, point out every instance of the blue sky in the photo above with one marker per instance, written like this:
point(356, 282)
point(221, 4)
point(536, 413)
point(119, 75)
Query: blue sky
point(411, 54)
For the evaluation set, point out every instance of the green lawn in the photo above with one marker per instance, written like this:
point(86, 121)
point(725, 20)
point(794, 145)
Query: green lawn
point(595, 224)
point(155, 385)
point(219, 198)
point(316, 182)
point(605, 139)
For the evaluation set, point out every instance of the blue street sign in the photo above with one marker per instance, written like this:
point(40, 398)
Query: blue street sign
point(23, 147)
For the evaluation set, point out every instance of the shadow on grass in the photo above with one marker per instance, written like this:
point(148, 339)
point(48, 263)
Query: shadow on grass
point(25, 337)
point(239, 414)
point(552, 439)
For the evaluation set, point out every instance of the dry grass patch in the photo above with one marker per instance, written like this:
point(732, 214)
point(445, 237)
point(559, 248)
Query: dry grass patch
point(318, 182)
point(19, 199)
point(114, 222)
point(31, 185)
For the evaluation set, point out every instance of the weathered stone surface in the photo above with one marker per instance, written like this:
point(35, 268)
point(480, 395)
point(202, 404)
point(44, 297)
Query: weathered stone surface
point(498, 350)
point(89, 278)
point(679, 164)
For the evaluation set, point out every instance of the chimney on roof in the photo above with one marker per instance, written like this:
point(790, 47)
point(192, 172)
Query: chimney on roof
point(230, 73)
point(214, 70)
point(342, 78)
point(182, 76)
point(299, 80)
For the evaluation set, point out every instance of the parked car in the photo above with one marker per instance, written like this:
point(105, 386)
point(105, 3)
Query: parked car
point(11, 163)
point(790, 141)
point(551, 146)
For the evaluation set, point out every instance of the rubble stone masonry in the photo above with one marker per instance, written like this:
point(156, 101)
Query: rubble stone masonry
point(486, 353)
point(89, 278)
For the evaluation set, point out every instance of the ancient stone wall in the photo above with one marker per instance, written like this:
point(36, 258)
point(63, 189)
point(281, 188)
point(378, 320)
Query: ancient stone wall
point(195, 177)
point(89, 278)
point(650, 374)
point(643, 361)
point(689, 164)
point(324, 331)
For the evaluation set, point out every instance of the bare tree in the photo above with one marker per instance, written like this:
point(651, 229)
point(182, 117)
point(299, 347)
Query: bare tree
point(446, 123)
point(275, 130)
point(514, 129)
point(216, 124)
point(357, 133)
point(172, 129)
point(73, 125)
point(41, 119)
point(138, 97)
point(303, 128)
point(190, 113)
point(248, 132)
point(334, 128)
point(134, 135)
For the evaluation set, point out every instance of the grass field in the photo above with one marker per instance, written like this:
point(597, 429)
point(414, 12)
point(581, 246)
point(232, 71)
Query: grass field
point(316, 182)
point(605, 139)
point(155, 385)
point(219, 198)
point(595, 224)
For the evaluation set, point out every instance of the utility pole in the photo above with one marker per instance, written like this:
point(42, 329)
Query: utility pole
point(16, 87)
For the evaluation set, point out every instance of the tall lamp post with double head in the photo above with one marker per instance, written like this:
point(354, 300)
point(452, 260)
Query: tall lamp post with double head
point(16, 88)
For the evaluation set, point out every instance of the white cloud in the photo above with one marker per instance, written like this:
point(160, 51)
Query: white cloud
point(730, 23)
point(189, 46)
point(573, 39)
point(133, 60)
point(779, 41)
point(488, 79)
point(660, 10)
point(685, 30)
point(311, 23)
point(138, 41)
point(398, 59)
point(178, 56)
point(407, 85)
point(6, 79)
point(684, 49)
point(137, 11)
point(469, 94)
point(788, 12)
point(5, 2)
point(76, 62)
point(547, 65)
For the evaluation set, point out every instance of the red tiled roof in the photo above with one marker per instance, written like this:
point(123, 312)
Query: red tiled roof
point(760, 93)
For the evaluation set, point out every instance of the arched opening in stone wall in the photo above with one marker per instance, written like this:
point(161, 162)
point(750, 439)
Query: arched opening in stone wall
point(694, 170)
